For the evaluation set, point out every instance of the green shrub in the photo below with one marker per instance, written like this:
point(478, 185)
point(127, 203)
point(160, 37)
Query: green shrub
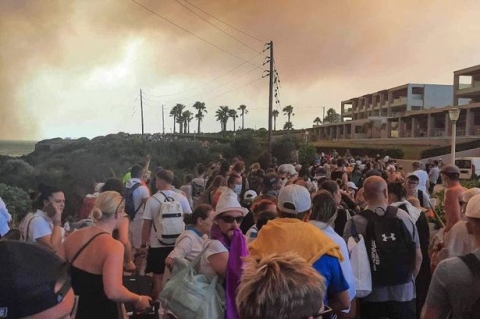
point(17, 201)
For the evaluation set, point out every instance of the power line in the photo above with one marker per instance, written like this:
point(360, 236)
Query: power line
point(250, 83)
point(194, 95)
point(231, 36)
point(231, 26)
point(210, 81)
point(196, 36)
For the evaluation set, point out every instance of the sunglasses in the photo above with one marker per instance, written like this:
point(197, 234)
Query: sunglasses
point(231, 219)
point(326, 310)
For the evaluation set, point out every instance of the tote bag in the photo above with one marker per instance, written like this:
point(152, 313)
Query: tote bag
point(189, 295)
point(360, 264)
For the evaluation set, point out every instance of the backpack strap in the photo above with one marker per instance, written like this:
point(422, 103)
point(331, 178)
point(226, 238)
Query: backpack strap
point(167, 199)
point(391, 211)
point(85, 246)
point(420, 197)
point(28, 227)
point(134, 187)
point(370, 216)
point(472, 263)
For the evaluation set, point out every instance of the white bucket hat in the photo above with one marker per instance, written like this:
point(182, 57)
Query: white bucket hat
point(228, 202)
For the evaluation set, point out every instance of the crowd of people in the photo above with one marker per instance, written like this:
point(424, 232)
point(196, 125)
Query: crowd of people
point(277, 242)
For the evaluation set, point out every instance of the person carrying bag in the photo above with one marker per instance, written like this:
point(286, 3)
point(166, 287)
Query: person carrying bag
point(190, 295)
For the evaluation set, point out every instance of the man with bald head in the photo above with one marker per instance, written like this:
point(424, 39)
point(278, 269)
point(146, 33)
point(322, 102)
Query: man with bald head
point(394, 301)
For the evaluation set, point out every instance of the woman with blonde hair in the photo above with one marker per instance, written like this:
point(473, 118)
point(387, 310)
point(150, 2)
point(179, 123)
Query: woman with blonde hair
point(96, 261)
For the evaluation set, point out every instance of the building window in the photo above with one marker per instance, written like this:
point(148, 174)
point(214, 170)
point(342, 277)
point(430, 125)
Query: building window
point(417, 90)
point(476, 118)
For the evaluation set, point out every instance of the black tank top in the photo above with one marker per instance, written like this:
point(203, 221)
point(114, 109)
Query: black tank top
point(92, 302)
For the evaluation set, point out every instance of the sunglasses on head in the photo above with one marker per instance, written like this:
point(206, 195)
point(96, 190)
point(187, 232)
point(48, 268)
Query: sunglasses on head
point(231, 219)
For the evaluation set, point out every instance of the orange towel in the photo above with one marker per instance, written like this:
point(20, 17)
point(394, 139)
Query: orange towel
point(288, 234)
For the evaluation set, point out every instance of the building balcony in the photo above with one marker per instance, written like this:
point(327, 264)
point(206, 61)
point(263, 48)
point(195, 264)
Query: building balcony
point(467, 90)
point(348, 111)
point(398, 102)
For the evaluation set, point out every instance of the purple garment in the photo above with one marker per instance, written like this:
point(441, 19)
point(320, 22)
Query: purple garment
point(237, 248)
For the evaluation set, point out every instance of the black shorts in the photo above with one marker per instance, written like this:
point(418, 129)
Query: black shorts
point(156, 259)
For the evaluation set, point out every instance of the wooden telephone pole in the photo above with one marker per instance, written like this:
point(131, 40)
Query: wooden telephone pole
point(270, 100)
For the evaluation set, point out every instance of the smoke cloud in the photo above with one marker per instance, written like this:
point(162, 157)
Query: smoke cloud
point(75, 68)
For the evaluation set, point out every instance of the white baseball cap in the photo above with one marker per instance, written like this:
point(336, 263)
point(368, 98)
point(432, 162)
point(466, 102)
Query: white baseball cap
point(473, 207)
point(352, 185)
point(250, 194)
point(294, 199)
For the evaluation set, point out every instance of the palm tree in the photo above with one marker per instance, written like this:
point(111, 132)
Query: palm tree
point(233, 114)
point(331, 117)
point(317, 121)
point(201, 109)
point(222, 116)
point(243, 108)
point(275, 115)
point(288, 111)
point(288, 125)
point(179, 116)
point(187, 118)
point(176, 112)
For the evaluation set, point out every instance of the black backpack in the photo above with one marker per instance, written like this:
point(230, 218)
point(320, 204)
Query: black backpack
point(473, 264)
point(390, 248)
point(129, 203)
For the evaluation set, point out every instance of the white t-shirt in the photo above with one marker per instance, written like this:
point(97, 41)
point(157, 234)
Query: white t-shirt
point(423, 178)
point(214, 247)
point(152, 208)
point(188, 245)
point(40, 225)
point(187, 189)
point(251, 234)
point(135, 226)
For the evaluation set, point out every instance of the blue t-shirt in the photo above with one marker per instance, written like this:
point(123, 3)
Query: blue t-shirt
point(329, 267)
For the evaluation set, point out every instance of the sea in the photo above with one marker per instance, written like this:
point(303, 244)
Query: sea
point(16, 148)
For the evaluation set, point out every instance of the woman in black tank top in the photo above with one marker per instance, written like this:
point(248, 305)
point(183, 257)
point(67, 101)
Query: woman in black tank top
point(96, 261)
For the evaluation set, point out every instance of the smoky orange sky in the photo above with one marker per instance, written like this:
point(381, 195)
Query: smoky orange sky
point(75, 68)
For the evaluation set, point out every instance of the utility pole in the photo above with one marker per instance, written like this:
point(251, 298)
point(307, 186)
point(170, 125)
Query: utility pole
point(323, 120)
point(141, 109)
point(163, 120)
point(270, 101)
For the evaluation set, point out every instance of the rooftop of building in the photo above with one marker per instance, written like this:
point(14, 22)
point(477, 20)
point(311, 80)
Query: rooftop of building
point(468, 71)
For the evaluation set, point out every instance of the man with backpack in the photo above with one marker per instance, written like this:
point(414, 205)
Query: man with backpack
point(136, 195)
point(162, 224)
point(411, 186)
point(393, 248)
point(455, 288)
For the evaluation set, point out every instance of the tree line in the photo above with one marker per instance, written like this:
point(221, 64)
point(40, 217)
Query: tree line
point(183, 117)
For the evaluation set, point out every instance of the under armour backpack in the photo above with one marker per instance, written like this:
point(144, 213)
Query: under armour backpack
point(129, 202)
point(168, 222)
point(473, 264)
point(390, 248)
